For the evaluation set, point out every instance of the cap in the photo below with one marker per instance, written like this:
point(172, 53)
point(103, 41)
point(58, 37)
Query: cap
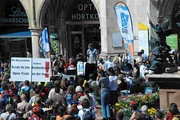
point(132, 103)
point(35, 109)
point(78, 89)
point(74, 102)
point(100, 59)
point(144, 108)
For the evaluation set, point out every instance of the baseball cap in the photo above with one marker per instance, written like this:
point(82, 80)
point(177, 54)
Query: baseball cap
point(133, 103)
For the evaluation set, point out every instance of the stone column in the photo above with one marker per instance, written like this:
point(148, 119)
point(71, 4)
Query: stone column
point(35, 33)
point(103, 27)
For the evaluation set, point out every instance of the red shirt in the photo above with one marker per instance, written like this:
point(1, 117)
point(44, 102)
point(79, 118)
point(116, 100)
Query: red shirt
point(70, 66)
point(169, 116)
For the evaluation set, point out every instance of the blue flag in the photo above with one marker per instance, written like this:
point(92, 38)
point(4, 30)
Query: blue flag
point(125, 26)
point(44, 43)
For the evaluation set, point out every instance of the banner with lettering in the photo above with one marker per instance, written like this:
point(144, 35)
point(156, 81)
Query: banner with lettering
point(125, 26)
point(32, 69)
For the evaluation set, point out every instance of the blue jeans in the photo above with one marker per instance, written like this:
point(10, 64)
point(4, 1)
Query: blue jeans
point(105, 97)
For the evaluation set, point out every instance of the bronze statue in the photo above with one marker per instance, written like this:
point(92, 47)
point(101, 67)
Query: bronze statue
point(158, 62)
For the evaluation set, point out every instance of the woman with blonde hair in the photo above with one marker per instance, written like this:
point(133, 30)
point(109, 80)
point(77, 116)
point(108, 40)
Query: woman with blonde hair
point(63, 84)
point(69, 95)
point(117, 60)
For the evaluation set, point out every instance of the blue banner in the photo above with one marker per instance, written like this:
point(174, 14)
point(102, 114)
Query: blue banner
point(125, 26)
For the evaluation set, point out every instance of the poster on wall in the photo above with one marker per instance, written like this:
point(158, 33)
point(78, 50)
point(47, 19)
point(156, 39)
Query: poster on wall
point(32, 69)
point(143, 38)
point(117, 39)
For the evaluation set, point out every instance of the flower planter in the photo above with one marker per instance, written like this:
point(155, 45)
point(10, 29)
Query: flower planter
point(151, 100)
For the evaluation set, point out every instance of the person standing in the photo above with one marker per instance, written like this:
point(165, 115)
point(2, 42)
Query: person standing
point(59, 98)
point(104, 83)
point(24, 105)
point(118, 60)
point(25, 89)
point(113, 90)
point(92, 57)
point(139, 59)
point(144, 56)
point(109, 63)
point(126, 56)
point(134, 109)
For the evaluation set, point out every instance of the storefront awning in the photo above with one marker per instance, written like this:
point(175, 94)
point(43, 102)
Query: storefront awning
point(23, 34)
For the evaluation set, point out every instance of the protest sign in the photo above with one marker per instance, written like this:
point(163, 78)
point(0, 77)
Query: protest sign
point(32, 69)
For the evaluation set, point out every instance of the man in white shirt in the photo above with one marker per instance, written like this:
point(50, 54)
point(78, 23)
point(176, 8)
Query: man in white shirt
point(109, 62)
point(142, 70)
point(102, 65)
point(92, 57)
point(85, 109)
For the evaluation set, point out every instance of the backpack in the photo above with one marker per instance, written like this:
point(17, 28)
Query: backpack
point(50, 116)
point(27, 93)
point(88, 115)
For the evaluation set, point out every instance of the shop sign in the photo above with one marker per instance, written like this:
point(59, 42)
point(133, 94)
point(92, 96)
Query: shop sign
point(12, 12)
point(17, 16)
point(83, 11)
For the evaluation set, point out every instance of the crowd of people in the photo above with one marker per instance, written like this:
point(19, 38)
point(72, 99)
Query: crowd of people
point(103, 82)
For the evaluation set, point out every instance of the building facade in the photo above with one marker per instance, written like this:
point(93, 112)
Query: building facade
point(72, 24)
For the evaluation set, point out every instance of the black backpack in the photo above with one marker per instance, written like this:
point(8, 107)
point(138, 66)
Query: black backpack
point(27, 93)
point(88, 115)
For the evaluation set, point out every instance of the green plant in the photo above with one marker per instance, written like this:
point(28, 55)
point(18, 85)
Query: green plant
point(123, 103)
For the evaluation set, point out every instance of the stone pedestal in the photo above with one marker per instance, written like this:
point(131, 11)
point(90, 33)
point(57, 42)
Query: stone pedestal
point(167, 96)
point(169, 84)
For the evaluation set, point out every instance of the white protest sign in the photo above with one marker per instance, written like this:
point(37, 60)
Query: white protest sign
point(20, 69)
point(41, 69)
point(81, 68)
point(32, 69)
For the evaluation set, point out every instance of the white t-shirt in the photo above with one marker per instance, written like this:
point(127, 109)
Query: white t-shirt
point(92, 55)
point(81, 113)
point(109, 64)
point(113, 82)
point(142, 71)
point(4, 115)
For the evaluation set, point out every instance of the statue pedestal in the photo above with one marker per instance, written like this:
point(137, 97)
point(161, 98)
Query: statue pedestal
point(167, 96)
point(169, 84)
